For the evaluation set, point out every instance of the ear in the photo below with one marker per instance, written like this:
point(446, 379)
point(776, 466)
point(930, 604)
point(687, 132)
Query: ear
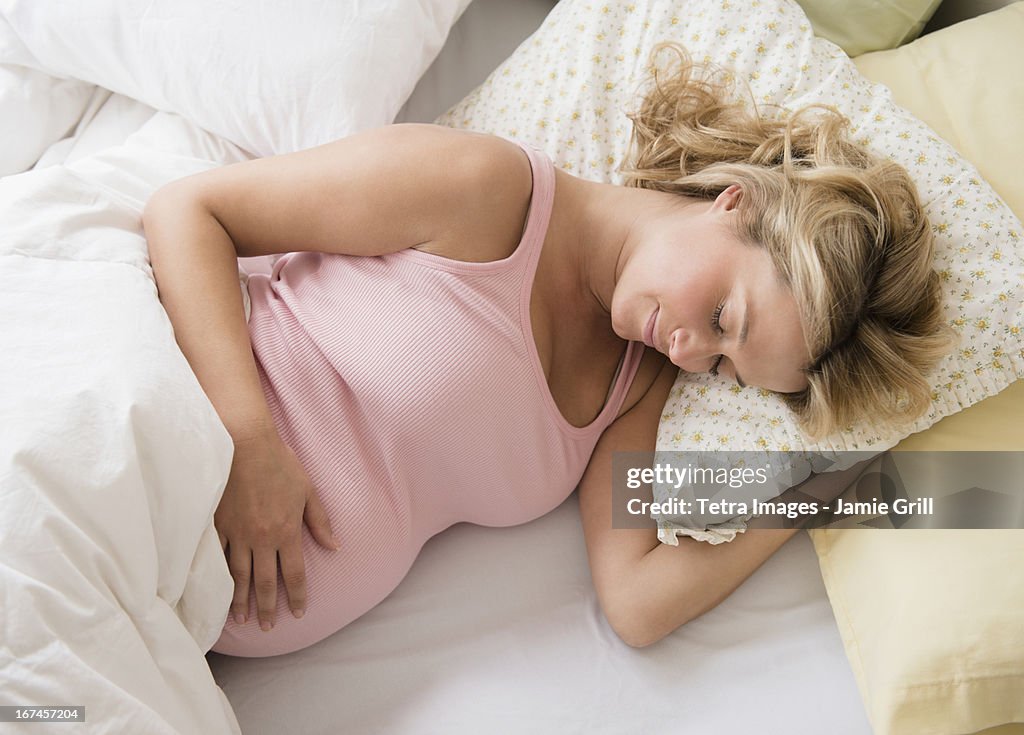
point(729, 199)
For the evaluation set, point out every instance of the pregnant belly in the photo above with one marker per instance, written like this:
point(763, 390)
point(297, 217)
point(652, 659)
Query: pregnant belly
point(375, 555)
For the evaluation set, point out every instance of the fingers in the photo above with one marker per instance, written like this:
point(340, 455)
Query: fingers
point(258, 565)
point(319, 523)
point(293, 571)
point(240, 566)
point(264, 572)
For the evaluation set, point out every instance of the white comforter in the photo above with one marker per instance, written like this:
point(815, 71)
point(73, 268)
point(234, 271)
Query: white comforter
point(113, 460)
point(112, 580)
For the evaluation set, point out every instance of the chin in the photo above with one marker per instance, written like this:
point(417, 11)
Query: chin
point(617, 326)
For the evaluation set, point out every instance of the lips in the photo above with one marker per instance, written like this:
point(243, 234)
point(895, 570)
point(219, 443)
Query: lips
point(649, 329)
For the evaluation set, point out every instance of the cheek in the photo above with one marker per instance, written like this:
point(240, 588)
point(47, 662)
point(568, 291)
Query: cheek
point(681, 295)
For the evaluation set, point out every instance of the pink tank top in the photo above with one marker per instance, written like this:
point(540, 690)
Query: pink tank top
point(410, 388)
point(415, 378)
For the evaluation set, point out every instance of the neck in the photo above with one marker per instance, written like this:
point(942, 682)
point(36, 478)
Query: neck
point(604, 224)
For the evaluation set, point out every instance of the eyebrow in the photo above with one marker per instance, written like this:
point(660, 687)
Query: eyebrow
point(744, 330)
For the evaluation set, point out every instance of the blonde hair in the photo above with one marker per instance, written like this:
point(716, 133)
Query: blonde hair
point(844, 229)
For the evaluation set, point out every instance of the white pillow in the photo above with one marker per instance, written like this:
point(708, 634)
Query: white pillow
point(53, 106)
point(566, 90)
point(270, 77)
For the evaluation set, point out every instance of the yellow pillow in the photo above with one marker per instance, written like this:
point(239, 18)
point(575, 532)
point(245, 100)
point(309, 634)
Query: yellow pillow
point(859, 26)
point(933, 621)
point(966, 83)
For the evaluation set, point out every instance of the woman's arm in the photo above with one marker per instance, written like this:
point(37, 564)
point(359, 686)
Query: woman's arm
point(196, 270)
point(648, 589)
point(268, 495)
point(373, 193)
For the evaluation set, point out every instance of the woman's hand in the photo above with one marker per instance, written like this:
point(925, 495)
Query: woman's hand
point(259, 519)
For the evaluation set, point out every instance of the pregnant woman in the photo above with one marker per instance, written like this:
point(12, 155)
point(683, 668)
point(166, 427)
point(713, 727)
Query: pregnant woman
point(463, 332)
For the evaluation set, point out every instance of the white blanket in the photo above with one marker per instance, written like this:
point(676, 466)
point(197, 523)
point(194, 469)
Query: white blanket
point(112, 580)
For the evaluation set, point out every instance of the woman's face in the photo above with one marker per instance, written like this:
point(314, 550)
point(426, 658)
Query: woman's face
point(693, 291)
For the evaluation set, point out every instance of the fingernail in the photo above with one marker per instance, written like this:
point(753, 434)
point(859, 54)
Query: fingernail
point(239, 618)
point(265, 626)
point(335, 542)
point(299, 613)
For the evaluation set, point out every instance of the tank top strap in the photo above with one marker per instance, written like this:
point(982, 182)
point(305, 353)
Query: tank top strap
point(539, 216)
point(530, 247)
point(623, 382)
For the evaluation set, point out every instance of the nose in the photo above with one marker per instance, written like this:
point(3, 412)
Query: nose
point(691, 351)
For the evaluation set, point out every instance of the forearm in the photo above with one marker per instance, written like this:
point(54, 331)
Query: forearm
point(194, 263)
point(676, 584)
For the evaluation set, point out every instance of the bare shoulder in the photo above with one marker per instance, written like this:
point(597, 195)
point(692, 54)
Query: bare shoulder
point(496, 185)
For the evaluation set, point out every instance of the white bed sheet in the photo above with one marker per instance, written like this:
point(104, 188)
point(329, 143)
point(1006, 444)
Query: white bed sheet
point(500, 628)
point(499, 631)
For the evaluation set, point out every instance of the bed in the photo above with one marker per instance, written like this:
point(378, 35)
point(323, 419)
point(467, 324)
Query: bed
point(492, 629)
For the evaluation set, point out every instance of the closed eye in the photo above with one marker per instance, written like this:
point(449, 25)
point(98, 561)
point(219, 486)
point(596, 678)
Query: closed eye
point(716, 324)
